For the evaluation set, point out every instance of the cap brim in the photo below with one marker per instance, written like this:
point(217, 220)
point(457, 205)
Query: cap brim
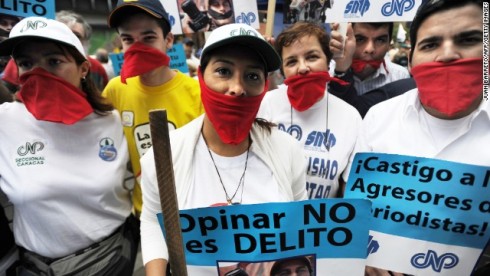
point(7, 46)
point(116, 15)
point(262, 47)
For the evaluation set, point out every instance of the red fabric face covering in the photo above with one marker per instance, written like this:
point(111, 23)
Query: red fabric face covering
point(358, 65)
point(140, 59)
point(305, 90)
point(449, 87)
point(231, 116)
point(51, 98)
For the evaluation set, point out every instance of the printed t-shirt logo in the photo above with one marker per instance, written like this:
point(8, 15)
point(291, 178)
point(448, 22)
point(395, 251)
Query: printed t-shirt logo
point(28, 152)
point(107, 151)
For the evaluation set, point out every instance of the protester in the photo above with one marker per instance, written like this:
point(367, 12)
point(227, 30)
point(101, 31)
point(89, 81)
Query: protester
point(146, 81)
point(82, 29)
point(62, 159)
point(102, 55)
point(365, 101)
point(445, 117)
point(324, 124)
point(226, 156)
point(361, 60)
point(191, 59)
point(7, 22)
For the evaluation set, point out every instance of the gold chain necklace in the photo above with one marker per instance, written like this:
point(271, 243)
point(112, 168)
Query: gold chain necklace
point(240, 183)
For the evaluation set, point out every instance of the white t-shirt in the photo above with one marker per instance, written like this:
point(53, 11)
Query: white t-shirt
point(399, 126)
point(328, 135)
point(258, 183)
point(65, 181)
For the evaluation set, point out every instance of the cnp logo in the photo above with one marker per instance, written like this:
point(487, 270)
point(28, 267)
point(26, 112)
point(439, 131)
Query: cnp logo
point(446, 261)
point(242, 31)
point(246, 18)
point(34, 25)
point(397, 6)
point(30, 148)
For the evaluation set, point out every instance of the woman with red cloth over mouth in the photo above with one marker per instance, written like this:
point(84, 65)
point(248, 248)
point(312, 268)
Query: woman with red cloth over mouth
point(226, 156)
point(63, 159)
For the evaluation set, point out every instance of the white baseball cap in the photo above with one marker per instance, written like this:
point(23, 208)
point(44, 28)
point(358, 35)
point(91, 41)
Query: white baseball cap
point(40, 27)
point(243, 34)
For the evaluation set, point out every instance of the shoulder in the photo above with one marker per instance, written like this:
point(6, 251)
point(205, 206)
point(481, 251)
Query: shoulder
point(113, 85)
point(393, 106)
point(397, 70)
point(343, 108)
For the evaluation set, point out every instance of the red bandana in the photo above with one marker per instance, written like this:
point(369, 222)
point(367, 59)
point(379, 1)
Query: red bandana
point(231, 116)
point(358, 65)
point(449, 87)
point(51, 98)
point(140, 59)
point(305, 90)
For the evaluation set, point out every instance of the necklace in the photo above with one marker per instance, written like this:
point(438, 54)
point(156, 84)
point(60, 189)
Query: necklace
point(241, 182)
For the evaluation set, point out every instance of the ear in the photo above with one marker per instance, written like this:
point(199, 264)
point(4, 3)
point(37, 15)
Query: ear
point(84, 68)
point(169, 40)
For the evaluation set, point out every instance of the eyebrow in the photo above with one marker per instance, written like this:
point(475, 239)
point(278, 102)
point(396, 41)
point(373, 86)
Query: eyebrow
point(143, 33)
point(469, 33)
point(224, 60)
point(437, 38)
point(314, 51)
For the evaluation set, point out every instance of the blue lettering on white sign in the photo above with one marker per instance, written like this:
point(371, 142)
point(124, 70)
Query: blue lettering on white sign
point(447, 260)
point(398, 7)
point(247, 18)
point(355, 7)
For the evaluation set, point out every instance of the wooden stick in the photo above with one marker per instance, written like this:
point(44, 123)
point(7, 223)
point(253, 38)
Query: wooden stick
point(166, 187)
point(271, 10)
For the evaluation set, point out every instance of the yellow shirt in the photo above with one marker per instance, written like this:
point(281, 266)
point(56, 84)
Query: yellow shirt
point(180, 97)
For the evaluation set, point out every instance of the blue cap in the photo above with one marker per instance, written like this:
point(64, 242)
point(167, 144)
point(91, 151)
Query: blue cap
point(152, 7)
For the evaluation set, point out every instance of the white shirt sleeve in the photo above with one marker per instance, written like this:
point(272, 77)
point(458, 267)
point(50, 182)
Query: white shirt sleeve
point(153, 245)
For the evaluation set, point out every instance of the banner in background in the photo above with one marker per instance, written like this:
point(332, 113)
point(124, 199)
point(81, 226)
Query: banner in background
point(176, 54)
point(430, 216)
point(349, 10)
point(331, 233)
point(26, 8)
point(190, 16)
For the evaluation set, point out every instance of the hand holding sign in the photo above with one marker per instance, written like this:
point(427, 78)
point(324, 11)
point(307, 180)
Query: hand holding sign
point(342, 45)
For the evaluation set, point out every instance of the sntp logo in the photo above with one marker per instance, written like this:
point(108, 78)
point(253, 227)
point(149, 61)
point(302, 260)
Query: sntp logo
point(356, 7)
point(446, 261)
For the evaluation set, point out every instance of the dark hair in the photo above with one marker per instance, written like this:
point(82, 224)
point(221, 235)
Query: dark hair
point(100, 104)
point(428, 8)
point(299, 30)
point(378, 25)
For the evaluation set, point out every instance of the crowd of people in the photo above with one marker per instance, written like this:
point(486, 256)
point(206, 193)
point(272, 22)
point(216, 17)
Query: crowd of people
point(71, 130)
